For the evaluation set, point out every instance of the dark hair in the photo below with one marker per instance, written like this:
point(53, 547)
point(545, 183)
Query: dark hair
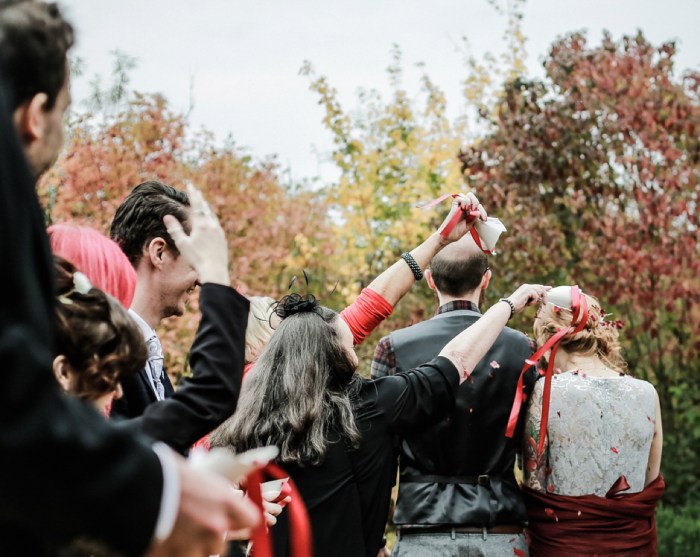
point(34, 44)
point(95, 334)
point(457, 276)
point(139, 219)
point(298, 393)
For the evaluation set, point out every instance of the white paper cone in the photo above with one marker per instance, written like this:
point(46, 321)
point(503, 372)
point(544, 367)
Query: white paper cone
point(560, 296)
point(489, 232)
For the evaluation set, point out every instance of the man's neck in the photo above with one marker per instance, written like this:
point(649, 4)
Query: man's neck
point(145, 305)
point(472, 297)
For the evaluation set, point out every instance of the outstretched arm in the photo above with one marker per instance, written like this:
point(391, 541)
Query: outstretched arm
point(469, 346)
point(393, 283)
point(376, 302)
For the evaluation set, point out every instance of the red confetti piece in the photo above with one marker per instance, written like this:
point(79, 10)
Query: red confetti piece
point(558, 413)
point(511, 540)
point(584, 375)
point(548, 471)
point(550, 488)
point(495, 364)
point(614, 449)
point(518, 552)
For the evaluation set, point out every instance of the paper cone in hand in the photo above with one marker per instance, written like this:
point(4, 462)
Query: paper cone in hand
point(489, 232)
point(560, 297)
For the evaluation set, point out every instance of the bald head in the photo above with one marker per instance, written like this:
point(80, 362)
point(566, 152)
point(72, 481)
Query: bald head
point(459, 268)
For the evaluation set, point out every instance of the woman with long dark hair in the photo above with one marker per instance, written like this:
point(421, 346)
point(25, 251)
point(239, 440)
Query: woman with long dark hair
point(334, 428)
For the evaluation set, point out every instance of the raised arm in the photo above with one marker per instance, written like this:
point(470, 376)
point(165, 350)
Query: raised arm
point(469, 346)
point(393, 283)
point(209, 397)
point(376, 302)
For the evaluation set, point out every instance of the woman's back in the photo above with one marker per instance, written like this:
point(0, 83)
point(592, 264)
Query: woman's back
point(600, 428)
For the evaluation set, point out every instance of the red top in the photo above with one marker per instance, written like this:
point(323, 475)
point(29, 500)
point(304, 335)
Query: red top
point(365, 313)
point(619, 524)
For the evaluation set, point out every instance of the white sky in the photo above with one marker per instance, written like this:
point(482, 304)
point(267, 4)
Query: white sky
point(239, 60)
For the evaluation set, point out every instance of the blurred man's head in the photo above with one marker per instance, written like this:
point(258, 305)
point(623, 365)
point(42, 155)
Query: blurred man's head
point(34, 44)
point(459, 270)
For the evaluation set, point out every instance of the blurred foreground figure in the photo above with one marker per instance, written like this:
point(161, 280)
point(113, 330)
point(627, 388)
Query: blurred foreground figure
point(62, 461)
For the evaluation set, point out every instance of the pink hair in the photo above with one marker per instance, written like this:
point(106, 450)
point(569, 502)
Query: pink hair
point(100, 258)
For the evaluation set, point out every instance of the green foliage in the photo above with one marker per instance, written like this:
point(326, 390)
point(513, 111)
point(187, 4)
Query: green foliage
point(678, 529)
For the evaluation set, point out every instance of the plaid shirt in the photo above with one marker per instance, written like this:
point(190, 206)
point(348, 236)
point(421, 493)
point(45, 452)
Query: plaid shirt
point(384, 362)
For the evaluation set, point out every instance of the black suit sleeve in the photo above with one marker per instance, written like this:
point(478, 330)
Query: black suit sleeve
point(60, 462)
point(209, 397)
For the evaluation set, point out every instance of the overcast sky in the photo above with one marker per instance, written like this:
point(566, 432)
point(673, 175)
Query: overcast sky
point(239, 61)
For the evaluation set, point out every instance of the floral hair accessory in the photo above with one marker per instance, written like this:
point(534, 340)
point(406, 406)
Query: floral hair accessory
point(81, 285)
point(296, 303)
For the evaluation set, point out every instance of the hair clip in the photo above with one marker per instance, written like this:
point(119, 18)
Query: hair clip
point(81, 285)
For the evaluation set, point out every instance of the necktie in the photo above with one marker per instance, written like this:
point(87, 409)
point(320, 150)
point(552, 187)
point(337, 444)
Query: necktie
point(154, 365)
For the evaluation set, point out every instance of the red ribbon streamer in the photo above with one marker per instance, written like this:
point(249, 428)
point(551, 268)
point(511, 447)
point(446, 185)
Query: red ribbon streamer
point(579, 308)
point(468, 215)
point(299, 524)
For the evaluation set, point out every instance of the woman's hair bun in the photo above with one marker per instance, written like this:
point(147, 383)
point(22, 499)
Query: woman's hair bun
point(296, 303)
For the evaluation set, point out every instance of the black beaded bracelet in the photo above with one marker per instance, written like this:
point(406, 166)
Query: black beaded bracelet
point(415, 268)
point(511, 304)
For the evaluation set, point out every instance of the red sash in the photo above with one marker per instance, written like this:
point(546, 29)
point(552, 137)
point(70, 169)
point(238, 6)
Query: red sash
point(299, 525)
point(617, 524)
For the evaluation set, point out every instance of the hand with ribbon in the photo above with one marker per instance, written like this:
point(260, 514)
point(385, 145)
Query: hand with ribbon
point(464, 212)
point(484, 230)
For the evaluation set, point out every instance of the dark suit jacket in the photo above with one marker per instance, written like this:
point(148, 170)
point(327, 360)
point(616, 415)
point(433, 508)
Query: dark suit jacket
point(209, 397)
point(138, 395)
point(60, 462)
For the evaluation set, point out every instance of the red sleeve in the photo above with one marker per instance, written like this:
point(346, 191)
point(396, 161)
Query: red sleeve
point(365, 313)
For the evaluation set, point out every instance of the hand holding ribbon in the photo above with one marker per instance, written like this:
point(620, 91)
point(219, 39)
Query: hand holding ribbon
point(466, 208)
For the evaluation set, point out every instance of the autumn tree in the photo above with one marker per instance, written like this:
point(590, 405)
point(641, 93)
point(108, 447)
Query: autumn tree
point(274, 230)
point(595, 169)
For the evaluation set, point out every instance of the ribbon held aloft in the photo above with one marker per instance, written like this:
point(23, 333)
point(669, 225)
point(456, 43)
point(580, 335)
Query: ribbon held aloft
point(485, 234)
point(565, 297)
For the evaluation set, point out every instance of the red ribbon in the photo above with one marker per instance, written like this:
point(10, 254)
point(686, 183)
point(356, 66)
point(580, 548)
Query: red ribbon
point(466, 213)
point(299, 524)
point(579, 308)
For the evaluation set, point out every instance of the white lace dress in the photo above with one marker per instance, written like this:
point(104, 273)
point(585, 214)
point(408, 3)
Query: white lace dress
point(599, 429)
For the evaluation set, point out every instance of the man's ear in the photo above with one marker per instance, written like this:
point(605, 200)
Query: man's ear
point(486, 279)
point(30, 118)
point(155, 250)
point(62, 371)
point(429, 279)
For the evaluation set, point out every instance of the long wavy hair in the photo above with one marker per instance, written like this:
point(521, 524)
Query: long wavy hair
point(298, 396)
point(598, 338)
